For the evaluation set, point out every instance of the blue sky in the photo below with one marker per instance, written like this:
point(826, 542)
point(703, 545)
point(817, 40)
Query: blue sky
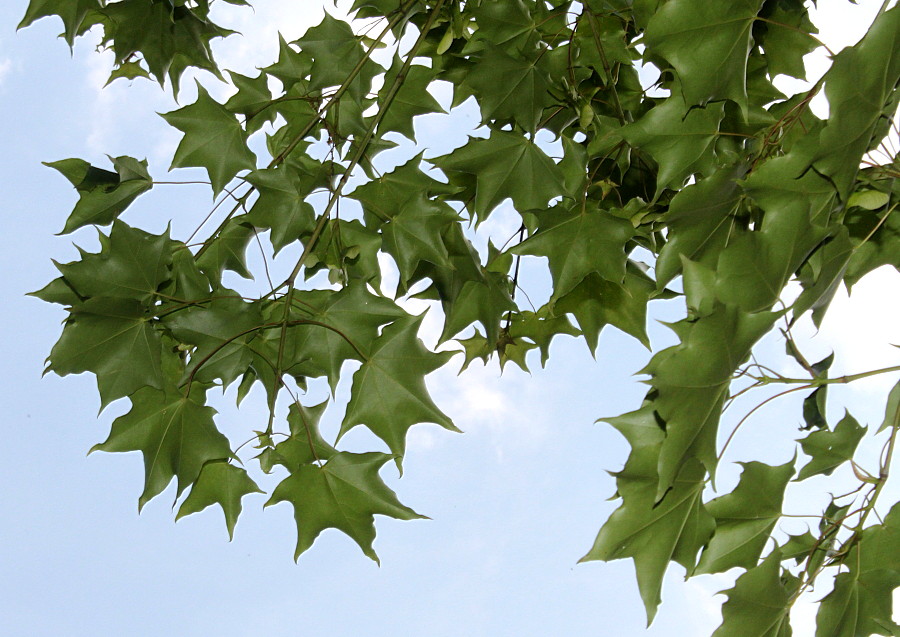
point(514, 502)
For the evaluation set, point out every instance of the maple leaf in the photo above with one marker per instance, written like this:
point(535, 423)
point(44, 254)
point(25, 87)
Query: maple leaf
point(679, 138)
point(168, 36)
point(335, 51)
point(579, 240)
point(504, 165)
point(829, 449)
point(414, 234)
point(131, 264)
point(861, 602)
point(73, 13)
point(707, 42)
point(388, 394)
point(219, 483)
point(745, 517)
point(759, 603)
point(652, 533)
point(114, 339)
point(103, 195)
point(176, 434)
point(410, 100)
point(282, 204)
point(692, 380)
point(511, 87)
point(345, 494)
point(221, 331)
point(213, 139)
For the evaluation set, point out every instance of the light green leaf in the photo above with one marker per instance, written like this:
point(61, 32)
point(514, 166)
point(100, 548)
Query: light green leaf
point(759, 604)
point(745, 517)
point(830, 449)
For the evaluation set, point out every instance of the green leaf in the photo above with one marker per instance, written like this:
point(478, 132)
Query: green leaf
point(304, 446)
point(411, 99)
point(328, 328)
point(335, 51)
point(227, 251)
point(381, 198)
point(168, 36)
point(414, 234)
point(577, 241)
point(253, 100)
point(892, 410)
point(505, 165)
point(692, 380)
point(596, 302)
point(213, 139)
point(175, 433)
point(707, 42)
point(102, 195)
point(830, 449)
point(511, 87)
point(221, 332)
point(131, 264)
point(702, 219)
point(651, 533)
point(859, 100)
point(759, 604)
point(745, 517)
point(679, 138)
point(345, 494)
point(786, 38)
point(282, 204)
point(114, 339)
point(73, 14)
point(389, 394)
point(219, 483)
point(861, 602)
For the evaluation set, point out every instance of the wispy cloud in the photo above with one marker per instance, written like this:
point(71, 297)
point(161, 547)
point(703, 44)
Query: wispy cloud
point(5, 67)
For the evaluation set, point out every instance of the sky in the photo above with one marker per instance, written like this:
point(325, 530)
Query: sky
point(514, 502)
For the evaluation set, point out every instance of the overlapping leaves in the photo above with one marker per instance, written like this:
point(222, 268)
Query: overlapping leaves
point(712, 176)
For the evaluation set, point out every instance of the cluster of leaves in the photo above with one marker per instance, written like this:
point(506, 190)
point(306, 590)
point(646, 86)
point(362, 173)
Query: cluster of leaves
point(733, 187)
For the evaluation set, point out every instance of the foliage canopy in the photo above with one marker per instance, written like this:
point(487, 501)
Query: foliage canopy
point(711, 186)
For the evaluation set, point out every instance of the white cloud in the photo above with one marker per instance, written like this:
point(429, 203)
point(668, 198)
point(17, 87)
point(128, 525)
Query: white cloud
point(5, 67)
